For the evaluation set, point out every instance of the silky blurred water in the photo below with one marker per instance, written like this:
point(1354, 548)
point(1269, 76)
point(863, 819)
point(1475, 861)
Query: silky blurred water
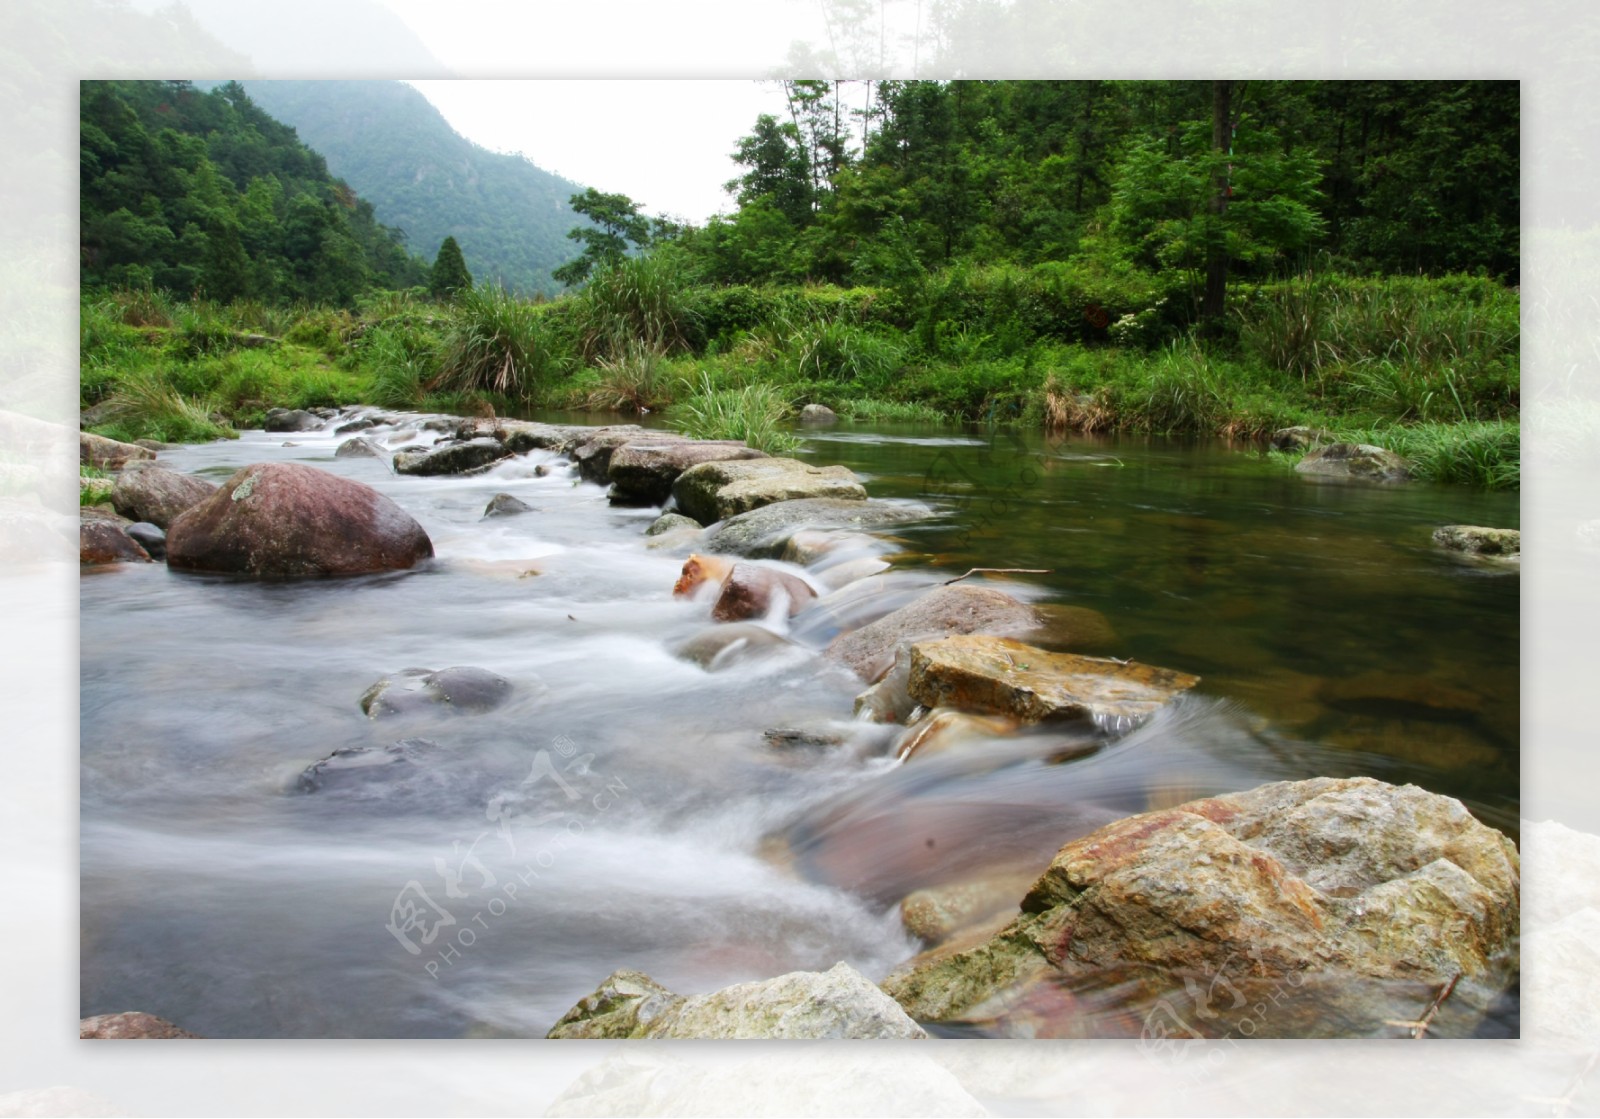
point(622, 808)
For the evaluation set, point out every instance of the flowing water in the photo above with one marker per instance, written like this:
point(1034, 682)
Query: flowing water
point(623, 809)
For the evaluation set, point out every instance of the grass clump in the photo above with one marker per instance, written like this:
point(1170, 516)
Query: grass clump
point(639, 379)
point(641, 301)
point(755, 413)
point(499, 344)
point(145, 406)
point(875, 410)
point(1486, 454)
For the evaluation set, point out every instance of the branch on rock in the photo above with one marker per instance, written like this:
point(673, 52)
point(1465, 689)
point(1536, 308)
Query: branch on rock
point(1000, 571)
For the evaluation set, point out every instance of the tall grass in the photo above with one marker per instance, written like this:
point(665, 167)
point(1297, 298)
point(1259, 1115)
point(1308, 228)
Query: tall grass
point(497, 343)
point(1484, 454)
point(145, 406)
point(754, 413)
point(639, 379)
point(640, 301)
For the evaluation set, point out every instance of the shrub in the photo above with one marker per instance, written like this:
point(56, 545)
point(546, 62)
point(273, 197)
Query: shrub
point(637, 380)
point(641, 300)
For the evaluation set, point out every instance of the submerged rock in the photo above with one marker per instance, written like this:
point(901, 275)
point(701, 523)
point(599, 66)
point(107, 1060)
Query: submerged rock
point(944, 729)
point(671, 522)
point(359, 447)
point(943, 611)
point(108, 454)
point(644, 471)
point(800, 738)
point(999, 674)
point(465, 689)
point(280, 520)
point(724, 645)
point(353, 426)
point(359, 763)
point(1479, 541)
point(938, 914)
point(453, 458)
point(129, 1025)
point(505, 505)
point(889, 700)
point(837, 1003)
point(1352, 900)
point(103, 538)
point(751, 591)
point(714, 491)
point(147, 492)
point(284, 419)
point(764, 533)
point(1355, 460)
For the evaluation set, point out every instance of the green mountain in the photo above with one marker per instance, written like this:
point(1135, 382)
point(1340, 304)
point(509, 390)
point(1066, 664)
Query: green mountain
point(510, 217)
point(201, 192)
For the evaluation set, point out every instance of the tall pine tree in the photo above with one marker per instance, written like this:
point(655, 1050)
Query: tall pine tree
point(449, 277)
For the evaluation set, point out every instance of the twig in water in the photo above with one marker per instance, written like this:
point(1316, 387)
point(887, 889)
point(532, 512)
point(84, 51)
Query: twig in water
point(1001, 571)
point(1419, 1028)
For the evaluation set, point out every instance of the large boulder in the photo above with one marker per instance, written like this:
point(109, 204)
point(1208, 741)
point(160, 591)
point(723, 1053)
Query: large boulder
point(1328, 907)
point(453, 458)
point(942, 612)
point(1000, 674)
point(284, 519)
point(592, 452)
point(129, 1025)
point(714, 491)
point(466, 690)
point(751, 591)
point(644, 471)
point(1355, 460)
point(109, 454)
point(837, 1003)
point(1479, 541)
point(764, 533)
point(147, 492)
point(103, 538)
point(523, 436)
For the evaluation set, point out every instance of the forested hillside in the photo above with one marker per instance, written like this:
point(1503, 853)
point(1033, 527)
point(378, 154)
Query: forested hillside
point(509, 216)
point(201, 193)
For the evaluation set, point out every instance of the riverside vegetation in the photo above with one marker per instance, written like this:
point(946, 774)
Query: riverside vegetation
point(1086, 256)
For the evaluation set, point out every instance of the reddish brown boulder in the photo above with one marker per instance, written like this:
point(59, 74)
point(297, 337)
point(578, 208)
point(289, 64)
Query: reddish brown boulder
point(283, 520)
point(147, 492)
point(129, 1025)
point(698, 569)
point(103, 538)
point(749, 591)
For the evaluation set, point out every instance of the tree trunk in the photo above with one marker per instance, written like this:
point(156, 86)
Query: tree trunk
point(1211, 304)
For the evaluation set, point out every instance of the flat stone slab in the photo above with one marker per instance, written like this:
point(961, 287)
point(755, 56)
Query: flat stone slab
point(453, 458)
point(714, 491)
point(979, 673)
point(1479, 541)
point(764, 533)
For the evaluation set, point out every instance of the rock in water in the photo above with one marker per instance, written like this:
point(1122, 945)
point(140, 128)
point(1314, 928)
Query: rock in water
point(108, 454)
point(699, 570)
point(644, 471)
point(279, 520)
point(464, 689)
point(147, 492)
point(149, 537)
point(999, 674)
point(942, 612)
point(453, 458)
point(837, 1003)
point(1327, 907)
point(713, 491)
point(1479, 541)
point(1300, 438)
point(505, 505)
point(283, 419)
point(764, 533)
point(723, 646)
point(129, 1025)
point(750, 591)
point(1355, 460)
point(359, 447)
point(671, 522)
point(103, 538)
point(818, 415)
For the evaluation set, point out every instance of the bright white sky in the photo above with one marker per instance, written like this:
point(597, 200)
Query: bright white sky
point(663, 143)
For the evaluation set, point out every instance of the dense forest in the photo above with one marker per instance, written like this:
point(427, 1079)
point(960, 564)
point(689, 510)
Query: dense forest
point(203, 193)
point(385, 138)
point(1203, 257)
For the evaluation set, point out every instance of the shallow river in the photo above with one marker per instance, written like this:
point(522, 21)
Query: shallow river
point(623, 808)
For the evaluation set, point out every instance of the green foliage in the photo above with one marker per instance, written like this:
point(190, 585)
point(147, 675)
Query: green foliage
point(876, 410)
point(1483, 454)
point(202, 194)
point(617, 224)
point(639, 379)
point(449, 276)
point(638, 301)
point(498, 343)
point(755, 413)
point(144, 406)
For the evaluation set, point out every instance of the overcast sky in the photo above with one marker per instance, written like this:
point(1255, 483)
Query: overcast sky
point(665, 144)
